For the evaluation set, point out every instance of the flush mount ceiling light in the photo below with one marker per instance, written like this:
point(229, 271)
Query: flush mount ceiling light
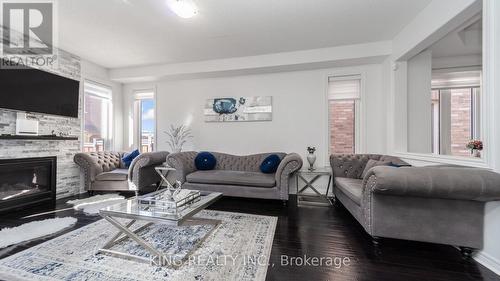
point(183, 8)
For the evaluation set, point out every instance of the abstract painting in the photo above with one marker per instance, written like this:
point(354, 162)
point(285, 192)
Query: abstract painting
point(239, 109)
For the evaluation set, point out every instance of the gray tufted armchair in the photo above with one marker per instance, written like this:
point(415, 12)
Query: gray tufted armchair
point(238, 176)
point(105, 170)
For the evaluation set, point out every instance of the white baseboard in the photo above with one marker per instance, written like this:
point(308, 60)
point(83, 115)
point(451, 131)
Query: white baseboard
point(488, 261)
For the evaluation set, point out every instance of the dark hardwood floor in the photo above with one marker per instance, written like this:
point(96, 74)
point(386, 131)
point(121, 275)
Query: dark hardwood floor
point(320, 232)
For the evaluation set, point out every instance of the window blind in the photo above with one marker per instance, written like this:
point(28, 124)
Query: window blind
point(344, 87)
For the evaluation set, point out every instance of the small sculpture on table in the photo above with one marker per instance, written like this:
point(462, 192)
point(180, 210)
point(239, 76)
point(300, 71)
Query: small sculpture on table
point(173, 190)
point(311, 158)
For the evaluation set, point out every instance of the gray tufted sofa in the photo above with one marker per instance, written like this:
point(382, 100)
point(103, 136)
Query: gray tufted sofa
point(238, 176)
point(106, 170)
point(437, 204)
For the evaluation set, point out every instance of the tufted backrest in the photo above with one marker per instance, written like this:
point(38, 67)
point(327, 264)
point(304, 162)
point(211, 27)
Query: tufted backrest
point(247, 163)
point(352, 165)
point(107, 160)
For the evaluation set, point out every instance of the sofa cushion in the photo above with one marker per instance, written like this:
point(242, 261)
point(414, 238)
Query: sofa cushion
point(353, 188)
point(115, 175)
point(270, 164)
point(205, 161)
point(232, 178)
point(374, 163)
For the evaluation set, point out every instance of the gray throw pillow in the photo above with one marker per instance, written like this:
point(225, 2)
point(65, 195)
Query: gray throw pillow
point(373, 163)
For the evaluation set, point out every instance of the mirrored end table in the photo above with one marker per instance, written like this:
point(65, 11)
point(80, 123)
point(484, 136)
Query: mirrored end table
point(163, 172)
point(308, 179)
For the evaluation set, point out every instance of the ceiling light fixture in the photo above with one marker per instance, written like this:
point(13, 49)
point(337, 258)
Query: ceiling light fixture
point(183, 8)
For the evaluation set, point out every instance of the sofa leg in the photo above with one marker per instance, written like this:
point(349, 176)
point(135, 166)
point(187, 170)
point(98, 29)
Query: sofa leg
point(90, 192)
point(336, 202)
point(466, 252)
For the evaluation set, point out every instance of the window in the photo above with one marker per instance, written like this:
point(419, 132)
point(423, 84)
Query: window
point(343, 111)
point(96, 117)
point(145, 120)
point(455, 112)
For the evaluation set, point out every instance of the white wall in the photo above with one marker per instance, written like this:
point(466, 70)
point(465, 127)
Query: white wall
point(490, 256)
point(96, 73)
point(436, 20)
point(299, 111)
point(419, 103)
point(427, 27)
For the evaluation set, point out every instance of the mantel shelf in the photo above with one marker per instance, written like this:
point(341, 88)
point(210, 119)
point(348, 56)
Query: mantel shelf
point(44, 137)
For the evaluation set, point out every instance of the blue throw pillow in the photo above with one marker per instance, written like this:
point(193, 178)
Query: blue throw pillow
point(205, 161)
point(270, 164)
point(128, 158)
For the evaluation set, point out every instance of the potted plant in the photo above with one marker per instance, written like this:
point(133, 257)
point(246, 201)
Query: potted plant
point(475, 147)
point(311, 158)
point(178, 136)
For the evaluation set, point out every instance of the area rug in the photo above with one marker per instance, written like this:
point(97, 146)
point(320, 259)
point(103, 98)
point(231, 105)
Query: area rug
point(237, 249)
point(92, 205)
point(33, 230)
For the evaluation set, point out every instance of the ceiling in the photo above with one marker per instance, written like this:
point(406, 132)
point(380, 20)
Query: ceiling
point(464, 41)
point(120, 33)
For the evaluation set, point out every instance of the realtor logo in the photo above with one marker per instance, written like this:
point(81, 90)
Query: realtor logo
point(27, 28)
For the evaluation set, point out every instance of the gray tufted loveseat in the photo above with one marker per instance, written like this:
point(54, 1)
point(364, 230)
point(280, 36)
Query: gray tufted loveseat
point(238, 176)
point(437, 204)
point(105, 170)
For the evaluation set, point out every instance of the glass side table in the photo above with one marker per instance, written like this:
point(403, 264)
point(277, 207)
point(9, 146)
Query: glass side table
point(163, 172)
point(309, 177)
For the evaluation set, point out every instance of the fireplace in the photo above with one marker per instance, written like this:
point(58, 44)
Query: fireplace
point(27, 181)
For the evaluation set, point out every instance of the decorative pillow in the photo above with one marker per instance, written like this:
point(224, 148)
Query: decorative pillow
point(373, 163)
point(270, 164)
point(129, 157)
point(205, 161)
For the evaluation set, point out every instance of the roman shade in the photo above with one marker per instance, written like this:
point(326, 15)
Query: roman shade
point(344, 87)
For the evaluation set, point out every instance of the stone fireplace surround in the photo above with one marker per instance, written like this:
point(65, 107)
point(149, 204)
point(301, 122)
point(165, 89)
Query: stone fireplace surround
point(68, 175)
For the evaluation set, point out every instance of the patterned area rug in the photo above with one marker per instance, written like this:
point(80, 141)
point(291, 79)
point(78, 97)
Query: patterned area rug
point(237, 249)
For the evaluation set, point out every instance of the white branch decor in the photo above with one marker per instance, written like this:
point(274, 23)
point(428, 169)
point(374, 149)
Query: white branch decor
point(178, 136)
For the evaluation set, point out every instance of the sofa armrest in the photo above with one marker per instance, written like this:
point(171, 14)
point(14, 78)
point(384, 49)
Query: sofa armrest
point(89, 167)
point(148, 159)
point(458, 183)
point(183, 162)
point(290, 164)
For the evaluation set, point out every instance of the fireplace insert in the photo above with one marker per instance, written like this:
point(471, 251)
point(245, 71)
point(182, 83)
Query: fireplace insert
point(25, 182)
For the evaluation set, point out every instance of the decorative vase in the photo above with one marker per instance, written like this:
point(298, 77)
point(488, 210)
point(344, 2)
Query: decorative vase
point(311, 158)
point(476, 153)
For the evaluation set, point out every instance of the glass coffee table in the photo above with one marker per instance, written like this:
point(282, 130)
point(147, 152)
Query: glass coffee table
point(152, 208)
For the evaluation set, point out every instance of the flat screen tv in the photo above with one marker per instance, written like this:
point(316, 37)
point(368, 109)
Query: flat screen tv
point(33, 90)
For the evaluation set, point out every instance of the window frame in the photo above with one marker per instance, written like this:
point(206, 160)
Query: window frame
point(475, 122)
point(108, 144)
point(359, 145)
point(138, 97)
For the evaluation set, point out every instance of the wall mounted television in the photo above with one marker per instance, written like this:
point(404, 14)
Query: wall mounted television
point(37, 91)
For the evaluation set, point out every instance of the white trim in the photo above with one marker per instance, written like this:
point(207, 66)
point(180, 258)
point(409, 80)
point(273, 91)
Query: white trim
point(443, 159)
point(400, 93)
point(488, 261)
point(489, 90)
